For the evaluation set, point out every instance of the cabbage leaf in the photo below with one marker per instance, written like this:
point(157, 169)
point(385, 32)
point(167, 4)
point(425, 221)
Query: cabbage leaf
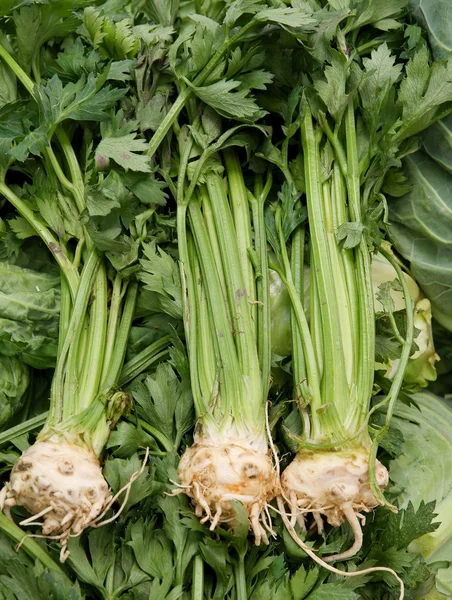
point(422, 472)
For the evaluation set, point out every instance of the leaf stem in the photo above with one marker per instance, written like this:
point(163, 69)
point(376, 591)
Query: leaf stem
point(57, 249)
point(31, 547)
point(185, 94)
point(197, 588)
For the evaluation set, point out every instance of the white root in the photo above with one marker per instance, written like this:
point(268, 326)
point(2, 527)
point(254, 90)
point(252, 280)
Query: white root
point(214, 475)
point(293, 534)
point(334, 485)
point(62, 483)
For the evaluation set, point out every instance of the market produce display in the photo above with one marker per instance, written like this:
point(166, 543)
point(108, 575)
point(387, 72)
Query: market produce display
point(225, 299)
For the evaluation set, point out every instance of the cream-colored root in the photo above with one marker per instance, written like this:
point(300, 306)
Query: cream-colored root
point(63, 483)
point(293, 534)
point(334, 485)
point(214, 475)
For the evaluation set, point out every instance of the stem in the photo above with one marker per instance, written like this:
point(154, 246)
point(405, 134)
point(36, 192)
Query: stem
point(185, 94)
point(92, 363)
point(311, 389)
point(113, 318)
point(298, 360)
point(32, 548)
point(57, 407)
point(334, 386)
point(237, 292)
point(231, 372)
point(334, 141)
point(78, 183)
point(397, 382)
point(242, 223)
point(58, 251)
point(240, 579)
point(17, 70)
point(262, 286)
point(22, 428)
point(197, 588)
point(365, 352)
point(117, 359)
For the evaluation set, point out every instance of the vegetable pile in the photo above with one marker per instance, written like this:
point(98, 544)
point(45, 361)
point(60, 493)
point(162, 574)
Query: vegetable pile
point(225, 274)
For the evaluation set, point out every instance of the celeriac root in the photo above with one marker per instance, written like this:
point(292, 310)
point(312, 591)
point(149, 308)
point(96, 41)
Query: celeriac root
point(60, 483)
point(335, 485)
point(213, 475)
point(323, 562)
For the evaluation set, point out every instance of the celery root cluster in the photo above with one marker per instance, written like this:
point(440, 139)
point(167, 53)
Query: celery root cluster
point(227, 331)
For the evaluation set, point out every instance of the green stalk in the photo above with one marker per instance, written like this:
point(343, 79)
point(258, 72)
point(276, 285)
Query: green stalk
point(310, 389)
point(366, 324)
point(397, 381)
point(144, 359)
point(57, 250)
point(93, 362)
point(197, 587)
point(238, 294)
point(262, 285)
point(188, 289)
point(117, 359)
point(17, 70)
point(240, 578)
point(334, 381)
point(242, 221)
point(231, 381)
point(298, 360)
point(58, 410)
point(113, 319)
point(31, 547)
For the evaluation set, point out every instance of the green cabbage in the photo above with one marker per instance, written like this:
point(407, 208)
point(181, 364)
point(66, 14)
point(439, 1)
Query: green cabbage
point(422, 471)
point(421, 230)
point(14, 380)
point(29, 315)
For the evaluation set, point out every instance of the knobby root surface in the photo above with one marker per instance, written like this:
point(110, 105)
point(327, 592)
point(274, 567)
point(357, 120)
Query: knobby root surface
point(61, 485)
point(214, 475)
point(333, 485)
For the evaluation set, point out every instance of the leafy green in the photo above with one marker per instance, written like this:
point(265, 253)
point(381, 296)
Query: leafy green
point(436, 17)
point(420, 229)
point(29, 314)
point(14, 380)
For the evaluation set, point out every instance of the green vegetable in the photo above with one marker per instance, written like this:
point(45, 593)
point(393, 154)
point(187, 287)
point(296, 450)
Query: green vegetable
point(421, 222)
point(421, 367)
point(62, 206)
point(422, 472)
point(29, 313)
point(356, 115)
point(14, 380)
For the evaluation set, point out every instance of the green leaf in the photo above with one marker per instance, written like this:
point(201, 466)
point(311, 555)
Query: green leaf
point(8, 86)
point(118, 472)
point(299, 17)
point(381, 74)
point(349, 235)
point(80, 101)
point(302, 582)
point(332, 91)
point(160, 275)
point(424, 88)
point(370, 12)
point(35, 25)
point(126, 439)
point(123, 150)
point(241, 7)
point(225, 98)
